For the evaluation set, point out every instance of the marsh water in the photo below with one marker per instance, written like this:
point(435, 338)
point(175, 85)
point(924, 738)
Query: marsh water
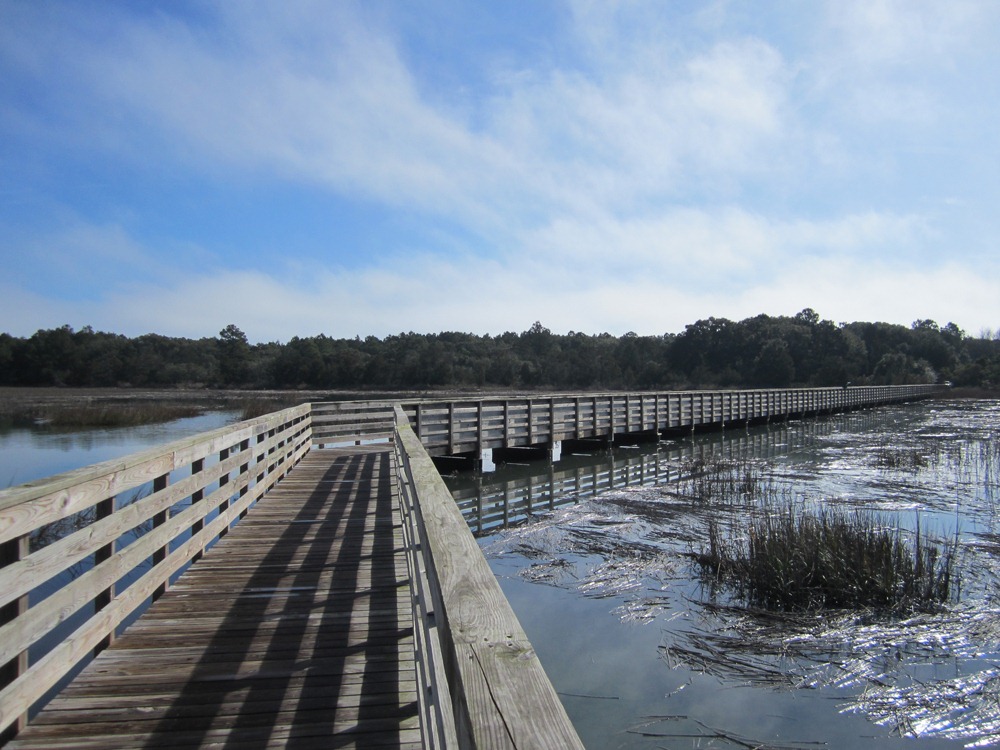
point(594, 552)
point(27, 454)
point(645, 653)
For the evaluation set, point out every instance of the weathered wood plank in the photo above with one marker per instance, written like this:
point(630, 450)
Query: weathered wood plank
point(501, 695)
point(253, 646)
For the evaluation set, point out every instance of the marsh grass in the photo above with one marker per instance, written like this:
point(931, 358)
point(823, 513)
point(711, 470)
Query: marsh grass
point(794, 559)
point(133, 414)
point(252, 408)
point(729, 481)
point(888, 456)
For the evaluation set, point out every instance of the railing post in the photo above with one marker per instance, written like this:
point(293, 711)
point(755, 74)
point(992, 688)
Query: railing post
point(261, 459)
point(10, 552)
point(245, 469)
point(479, 431)
point(451, 427)
point(223, 481)
point(160, 554)
point(197, 496)
point(552, 421)
point(102, 510)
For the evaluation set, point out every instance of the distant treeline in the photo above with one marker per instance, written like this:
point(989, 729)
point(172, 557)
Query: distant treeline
point(762, 351)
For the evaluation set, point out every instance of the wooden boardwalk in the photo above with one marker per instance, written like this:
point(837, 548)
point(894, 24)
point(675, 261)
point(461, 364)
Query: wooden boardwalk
point(295, 629)
point(303, 623)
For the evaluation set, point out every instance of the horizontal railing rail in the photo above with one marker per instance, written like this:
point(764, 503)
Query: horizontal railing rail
point(455, 426)
point(499, 500)
point(497, 691)
point(462, 425)
point(81, 552)
point(352, 421)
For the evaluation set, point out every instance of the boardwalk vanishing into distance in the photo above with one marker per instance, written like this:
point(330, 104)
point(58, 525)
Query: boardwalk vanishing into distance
point(303, 579)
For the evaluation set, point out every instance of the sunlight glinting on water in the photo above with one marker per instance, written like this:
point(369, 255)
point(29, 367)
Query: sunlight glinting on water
point(931, 675)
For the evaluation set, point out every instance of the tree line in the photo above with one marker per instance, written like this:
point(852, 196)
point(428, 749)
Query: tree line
point(762, 351)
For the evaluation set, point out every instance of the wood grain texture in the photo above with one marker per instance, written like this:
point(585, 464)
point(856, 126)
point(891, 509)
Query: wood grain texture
point(500, 692)
point(295, 629)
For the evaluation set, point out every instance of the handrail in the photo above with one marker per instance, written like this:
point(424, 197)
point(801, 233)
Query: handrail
point(133, 524)
point(499, 693)
point(466, 424)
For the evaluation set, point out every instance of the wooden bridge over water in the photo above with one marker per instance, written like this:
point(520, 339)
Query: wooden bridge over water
point(304, 579)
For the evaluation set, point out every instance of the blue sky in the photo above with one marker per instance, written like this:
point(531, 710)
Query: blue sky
point(369, 168)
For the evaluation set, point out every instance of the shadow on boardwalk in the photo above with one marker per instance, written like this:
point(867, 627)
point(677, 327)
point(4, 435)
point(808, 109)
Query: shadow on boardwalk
point(294, 630)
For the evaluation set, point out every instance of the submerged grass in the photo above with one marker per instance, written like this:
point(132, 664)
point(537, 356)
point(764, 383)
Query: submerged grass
point(106, 414)
point(123, 415)
point(793, 559)
point(888, 456)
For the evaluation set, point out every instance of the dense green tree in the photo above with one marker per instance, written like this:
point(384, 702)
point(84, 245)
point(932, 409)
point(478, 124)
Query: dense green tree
point(773, 367)
point(714, 352)
point(234, 356)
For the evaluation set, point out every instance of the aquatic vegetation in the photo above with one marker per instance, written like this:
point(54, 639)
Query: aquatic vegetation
point(889, 456)
point(110, 414)
point(793, 559)
point(919, 484)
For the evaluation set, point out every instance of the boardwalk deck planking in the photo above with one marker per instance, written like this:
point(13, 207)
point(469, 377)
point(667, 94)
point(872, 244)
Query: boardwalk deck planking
point(294, 629)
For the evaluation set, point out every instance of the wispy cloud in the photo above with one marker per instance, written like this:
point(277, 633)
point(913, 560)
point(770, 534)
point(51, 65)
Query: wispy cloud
point(652, 166)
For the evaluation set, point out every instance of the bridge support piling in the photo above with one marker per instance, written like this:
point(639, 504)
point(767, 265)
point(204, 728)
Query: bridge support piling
point(636, 438)
point(519, 454)
point(469, 461)
point(584, 445)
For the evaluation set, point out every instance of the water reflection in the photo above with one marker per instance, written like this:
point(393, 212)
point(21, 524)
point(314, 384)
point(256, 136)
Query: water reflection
point(646, 655)
point(514, 493)
point(36, 453)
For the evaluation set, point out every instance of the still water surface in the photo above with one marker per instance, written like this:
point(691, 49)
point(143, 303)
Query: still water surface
point(644, 655)
point(29, 454)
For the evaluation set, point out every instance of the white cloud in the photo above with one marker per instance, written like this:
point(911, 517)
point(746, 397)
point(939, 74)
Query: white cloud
point(731, 245)
point(732, 264)
point(664, 168)
point(326, 98)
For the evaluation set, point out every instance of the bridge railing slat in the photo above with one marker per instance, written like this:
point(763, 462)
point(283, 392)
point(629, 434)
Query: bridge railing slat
point(129, 548)
point(500, 695)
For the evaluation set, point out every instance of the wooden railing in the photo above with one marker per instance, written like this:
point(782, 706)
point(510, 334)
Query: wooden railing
point(454, 426)
point(131, 526)
point(504, 498)
point(498, 695)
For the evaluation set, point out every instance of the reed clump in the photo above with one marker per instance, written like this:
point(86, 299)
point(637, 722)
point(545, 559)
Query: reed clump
point(110, 414)
point(830, 559)
point(251, 408)
point(887, 456)
point(729, 481)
